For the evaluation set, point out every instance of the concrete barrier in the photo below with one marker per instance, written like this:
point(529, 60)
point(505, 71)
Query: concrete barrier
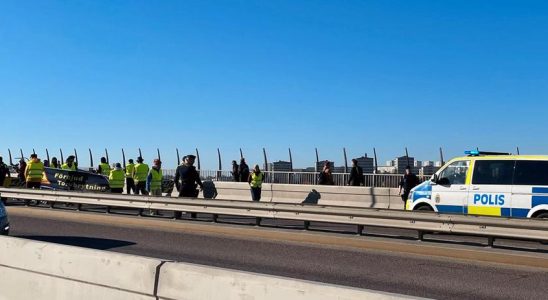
point(187, 281)
point(40, 270)
point(313, 194)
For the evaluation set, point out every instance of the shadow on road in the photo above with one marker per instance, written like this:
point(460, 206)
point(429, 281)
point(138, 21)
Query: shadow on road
point(87, 242)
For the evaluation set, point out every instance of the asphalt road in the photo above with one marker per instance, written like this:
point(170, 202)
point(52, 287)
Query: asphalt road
point(294, 253)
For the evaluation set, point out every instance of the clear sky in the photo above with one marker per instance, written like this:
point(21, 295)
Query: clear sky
point(274, 74)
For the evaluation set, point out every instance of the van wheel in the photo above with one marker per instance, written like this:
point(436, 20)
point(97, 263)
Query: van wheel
point(424, 208)
point(543, 215)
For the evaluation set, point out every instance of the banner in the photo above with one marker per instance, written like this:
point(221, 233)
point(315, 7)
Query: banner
point(58, 179)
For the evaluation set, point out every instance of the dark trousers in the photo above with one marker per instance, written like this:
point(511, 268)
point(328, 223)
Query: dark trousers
point(187, 192)
point(404, 197)
point(130, 186)
point(117, 190)
point(141, 187)
point(256, 194)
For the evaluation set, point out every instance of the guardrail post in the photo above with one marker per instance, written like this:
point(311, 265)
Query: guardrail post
point(215, 217)
point(108, 210)
point(51, 204)
point(79, 207)
point(490, 241)
point(306, 225)
point(258, 221)
point(420, 235)
point(360, 229)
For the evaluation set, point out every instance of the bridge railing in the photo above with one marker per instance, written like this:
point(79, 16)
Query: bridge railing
point(491, 227)
point(309, 178)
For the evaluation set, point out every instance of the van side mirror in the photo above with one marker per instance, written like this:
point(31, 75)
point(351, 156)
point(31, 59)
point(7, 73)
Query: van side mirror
point(434, 179)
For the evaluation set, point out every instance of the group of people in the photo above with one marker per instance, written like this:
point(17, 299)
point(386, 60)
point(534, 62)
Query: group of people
point(255, 178)
point(356, 175)
point(139, 178)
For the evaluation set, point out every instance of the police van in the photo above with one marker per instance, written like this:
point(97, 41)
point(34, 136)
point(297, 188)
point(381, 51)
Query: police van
point(487, 183)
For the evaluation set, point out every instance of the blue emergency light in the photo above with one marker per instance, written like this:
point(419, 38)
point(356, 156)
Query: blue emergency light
point(472, 152)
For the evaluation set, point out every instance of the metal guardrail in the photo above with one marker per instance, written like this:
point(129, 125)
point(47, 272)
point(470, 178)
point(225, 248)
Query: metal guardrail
point(310, 178)
point(491, 227)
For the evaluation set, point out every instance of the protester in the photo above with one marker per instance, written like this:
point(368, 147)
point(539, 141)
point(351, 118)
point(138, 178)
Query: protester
point(154, 179)
point(256, 181)
point(69, 164)
point(140, 174)
point(130, 183)
point(116, 179)
point(34, 172)
point(54, 163)
point(103, 167)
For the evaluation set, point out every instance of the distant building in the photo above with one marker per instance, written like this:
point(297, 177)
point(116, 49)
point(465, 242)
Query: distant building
point(428, 170)
point(386, 169)
point(401, 162)
point(280, 166)
point(418, 164)
point(367, 164)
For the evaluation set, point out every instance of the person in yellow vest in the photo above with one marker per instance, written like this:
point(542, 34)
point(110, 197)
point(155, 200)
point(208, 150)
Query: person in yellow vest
point(256, 182)
point(116, 179)
point(34, 172)
point(154, 179)
point(130, 184)
point(54, 164)
point(69, 164)
point(140, 173)
point(104, 168)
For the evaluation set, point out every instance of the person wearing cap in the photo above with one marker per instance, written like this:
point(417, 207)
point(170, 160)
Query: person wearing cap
point(103, 168)
point(154, 179)
point(34, 172)
point(130, 183)
point(186, 180)
point(140, 173)
point(116, 179)
point(408, 181)
point(69, 164)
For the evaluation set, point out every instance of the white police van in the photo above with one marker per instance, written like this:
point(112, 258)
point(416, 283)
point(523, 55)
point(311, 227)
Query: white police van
point(487, 183)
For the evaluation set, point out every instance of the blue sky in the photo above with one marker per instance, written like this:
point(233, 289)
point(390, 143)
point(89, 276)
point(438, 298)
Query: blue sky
point(274, 74)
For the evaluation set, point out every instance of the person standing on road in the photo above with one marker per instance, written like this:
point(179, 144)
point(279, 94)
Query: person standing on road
point(130, 183)
point(34, 172)
point(103, 168)
point(235, 171)
point(408, 181)
point(4, 171)
point(140, 174)
point(256, 182)
point(186, 181)
point(69, 164)
point(116, 179)
point(154, 179)
point(243, 170)
point(326, 176)
point(21, 172)
point(356, 174)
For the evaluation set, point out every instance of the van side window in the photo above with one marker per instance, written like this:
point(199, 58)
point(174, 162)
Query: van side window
point(493, 172)
point(455, 173)
point(529, 172)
